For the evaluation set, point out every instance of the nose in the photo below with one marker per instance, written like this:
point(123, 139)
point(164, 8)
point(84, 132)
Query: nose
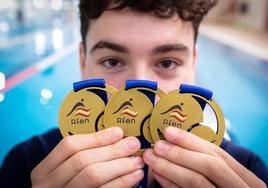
point(140, 71)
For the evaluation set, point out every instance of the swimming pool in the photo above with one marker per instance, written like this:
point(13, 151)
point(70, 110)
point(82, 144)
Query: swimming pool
point(240, 84)
point(238, 80)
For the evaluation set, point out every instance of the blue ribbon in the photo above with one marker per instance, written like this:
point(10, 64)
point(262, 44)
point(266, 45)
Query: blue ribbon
point(207, 94)
point(92, 83)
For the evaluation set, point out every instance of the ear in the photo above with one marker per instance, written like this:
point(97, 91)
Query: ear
point(82, 59)
point(195, 54)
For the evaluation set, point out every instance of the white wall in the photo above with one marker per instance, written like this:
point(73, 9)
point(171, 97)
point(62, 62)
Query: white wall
point(256, 16)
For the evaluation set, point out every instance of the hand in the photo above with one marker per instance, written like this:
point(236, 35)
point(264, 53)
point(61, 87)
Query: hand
point(94, 160)
point(185, 160)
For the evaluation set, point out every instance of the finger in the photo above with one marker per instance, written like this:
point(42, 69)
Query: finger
point(181, 176)
point(101, 173)
point(128, 180)
point(211, 167)
point(165, 183)
point(73, 144)
point(72, 166)
point(188, 140)
point(195, 143)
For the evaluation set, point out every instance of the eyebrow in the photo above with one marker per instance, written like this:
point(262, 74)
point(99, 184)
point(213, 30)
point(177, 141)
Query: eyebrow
point(109, 45)
point(171, 47)
point(120, 48)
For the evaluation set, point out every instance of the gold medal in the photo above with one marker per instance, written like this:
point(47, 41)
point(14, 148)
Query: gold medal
point(182, 110)
point(81, 112)
point(131, 110)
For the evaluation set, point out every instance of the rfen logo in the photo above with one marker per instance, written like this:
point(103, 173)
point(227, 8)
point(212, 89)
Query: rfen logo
point(2, 81)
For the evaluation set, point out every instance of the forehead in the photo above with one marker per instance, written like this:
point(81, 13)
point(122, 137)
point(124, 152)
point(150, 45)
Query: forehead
point(134, 28)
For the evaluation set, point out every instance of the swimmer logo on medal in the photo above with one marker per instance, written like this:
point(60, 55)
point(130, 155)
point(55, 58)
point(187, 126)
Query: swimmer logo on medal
point(80, 112)
point(79, 109)
point(128, 114)
point(176, 113)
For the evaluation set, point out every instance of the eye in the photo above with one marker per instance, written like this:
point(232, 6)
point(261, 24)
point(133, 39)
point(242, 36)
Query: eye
point(111, 63)
point(167, 64)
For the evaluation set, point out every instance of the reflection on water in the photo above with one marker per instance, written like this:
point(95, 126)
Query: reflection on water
point(57, 38)
point(46, 95)
point(4, 27)
point(40, 44)
point(2, 81)
point(2, 97)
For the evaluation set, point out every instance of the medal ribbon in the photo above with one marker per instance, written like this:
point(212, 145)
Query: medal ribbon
point(92, 83)
point(207, 94)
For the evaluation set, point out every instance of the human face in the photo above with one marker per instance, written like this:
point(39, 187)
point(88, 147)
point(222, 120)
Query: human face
point(122, 45)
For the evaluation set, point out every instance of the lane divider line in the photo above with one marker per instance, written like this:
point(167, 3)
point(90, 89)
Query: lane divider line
point(40, 66)
point(9, 42)
point(27, 37)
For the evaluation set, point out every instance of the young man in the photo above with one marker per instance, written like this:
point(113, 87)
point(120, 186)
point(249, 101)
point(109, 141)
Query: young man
point(148, 40)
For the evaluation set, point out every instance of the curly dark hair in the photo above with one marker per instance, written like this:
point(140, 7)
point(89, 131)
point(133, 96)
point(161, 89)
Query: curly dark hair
point(188, 10)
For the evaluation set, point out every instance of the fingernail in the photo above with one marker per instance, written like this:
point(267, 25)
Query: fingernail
point(138, 173)
point(138, 161)
point(171, 132)
point(116, 132)
point(132, 143)
point(162, 146)
point(150, 156)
